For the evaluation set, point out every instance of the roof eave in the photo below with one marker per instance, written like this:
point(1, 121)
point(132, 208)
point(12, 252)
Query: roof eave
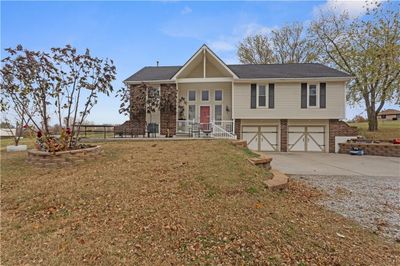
point(294, 79)
point(149, 81)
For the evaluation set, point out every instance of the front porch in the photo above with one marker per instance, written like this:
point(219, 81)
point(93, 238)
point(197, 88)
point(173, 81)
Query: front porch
point(223, 129)
point(186, 129)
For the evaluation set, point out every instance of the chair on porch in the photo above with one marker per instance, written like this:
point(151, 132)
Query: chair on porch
point(194, 130)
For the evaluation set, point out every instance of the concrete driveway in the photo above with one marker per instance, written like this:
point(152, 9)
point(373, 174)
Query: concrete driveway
point(302, 163)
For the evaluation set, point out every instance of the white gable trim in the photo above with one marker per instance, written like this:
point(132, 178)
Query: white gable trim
point(203, 80)
point(203, 49)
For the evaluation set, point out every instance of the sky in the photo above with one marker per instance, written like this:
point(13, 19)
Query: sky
point(137, 34)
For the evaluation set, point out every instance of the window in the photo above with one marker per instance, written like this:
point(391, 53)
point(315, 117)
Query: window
point(312, 95)
point(218, 112)
point(262, 96)
point(218, 95)
point(204, 95)
point(192, 112)
point(192, 96)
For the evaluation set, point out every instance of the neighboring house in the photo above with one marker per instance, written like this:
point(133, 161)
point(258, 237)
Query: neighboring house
point(275, 107)
point(389, 114)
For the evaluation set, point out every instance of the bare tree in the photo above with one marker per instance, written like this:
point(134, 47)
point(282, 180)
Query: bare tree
point(82, 78)
point(25, 85)
point(288, 44)
point(37, 81)
point(367, 48)
point(256, 49)
point(291, 45)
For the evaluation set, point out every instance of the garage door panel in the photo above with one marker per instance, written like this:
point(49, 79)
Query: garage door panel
point(297, 129)
point(268, 142)
point(296, 141)
point(268, 129)
point(261, 138)
point(315, 129)
point(307, 138)
point(252, 140)
point(315, 142)
point(250, 129)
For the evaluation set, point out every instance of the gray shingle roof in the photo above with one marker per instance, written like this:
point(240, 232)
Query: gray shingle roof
point(248, 72)
point(154, 73)
point(285, 71)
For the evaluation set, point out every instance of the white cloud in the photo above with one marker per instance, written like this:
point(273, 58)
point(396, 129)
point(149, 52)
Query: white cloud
point(245, 30)
point(186, 10)
point(354, 8)
point(221, 46)
point(227, 43)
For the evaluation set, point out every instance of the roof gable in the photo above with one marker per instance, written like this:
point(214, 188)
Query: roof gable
point(196, 66)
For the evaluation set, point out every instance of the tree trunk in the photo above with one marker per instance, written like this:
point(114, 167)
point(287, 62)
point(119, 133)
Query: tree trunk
point(372, 121)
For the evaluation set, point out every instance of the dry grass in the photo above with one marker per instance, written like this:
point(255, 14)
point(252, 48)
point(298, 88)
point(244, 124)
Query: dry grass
point(387, 130)
point(193, 202)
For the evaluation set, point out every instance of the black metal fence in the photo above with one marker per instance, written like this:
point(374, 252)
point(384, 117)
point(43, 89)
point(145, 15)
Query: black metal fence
point(97, 131)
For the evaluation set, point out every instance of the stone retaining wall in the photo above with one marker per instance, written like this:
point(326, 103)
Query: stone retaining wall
point(379, 149)
point(63, 158)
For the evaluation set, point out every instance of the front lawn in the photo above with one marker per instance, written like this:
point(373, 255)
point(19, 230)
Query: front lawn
point(387, 130)
point(186, 202)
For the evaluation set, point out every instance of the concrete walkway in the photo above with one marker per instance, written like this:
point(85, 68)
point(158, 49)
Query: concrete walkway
point(302, 163)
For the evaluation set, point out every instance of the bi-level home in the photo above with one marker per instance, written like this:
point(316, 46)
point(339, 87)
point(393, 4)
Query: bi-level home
point(275, 107)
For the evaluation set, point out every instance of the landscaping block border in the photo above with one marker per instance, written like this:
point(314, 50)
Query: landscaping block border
point(379, 149)
point(63, 158)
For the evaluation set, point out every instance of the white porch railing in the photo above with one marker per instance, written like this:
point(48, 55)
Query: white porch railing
point(216, 129)
point(221, 133)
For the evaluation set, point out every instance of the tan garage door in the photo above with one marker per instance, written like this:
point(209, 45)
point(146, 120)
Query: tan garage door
point(306, 138)
point(261, 138)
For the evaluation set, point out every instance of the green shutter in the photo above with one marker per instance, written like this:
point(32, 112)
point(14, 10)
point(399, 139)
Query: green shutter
point(303, 95)
point(322, 95)
point(253, 96)
point(271, 95)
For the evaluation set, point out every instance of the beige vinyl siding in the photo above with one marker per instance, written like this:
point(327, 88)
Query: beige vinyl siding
point(197, 72)
point(183, 89)
point(287, 102)
point(214, 69)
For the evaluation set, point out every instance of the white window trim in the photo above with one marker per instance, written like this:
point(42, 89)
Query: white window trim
point(222, 95)
point(195, 112)
point(317, 96)
point(201, 96)
point(266, 96)
point(222, 112)
point(195, 96)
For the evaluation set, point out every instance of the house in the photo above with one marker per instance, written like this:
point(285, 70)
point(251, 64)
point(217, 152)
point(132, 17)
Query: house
point(389, 114)
point(275, 107)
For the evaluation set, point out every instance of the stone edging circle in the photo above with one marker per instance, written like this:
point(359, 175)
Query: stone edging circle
point(63, 158)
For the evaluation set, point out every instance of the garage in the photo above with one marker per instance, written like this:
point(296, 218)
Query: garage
point(261, 138)
point(306, 138)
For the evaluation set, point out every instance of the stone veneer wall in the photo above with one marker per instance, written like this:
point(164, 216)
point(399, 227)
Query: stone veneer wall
point(168, 117)
point(138, 120)
point(63, 158)
point(238, 126)
point(379, 149)
point(284, 135)
point(339, 128)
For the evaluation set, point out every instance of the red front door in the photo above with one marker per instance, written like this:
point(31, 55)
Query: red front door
point(204, 117)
